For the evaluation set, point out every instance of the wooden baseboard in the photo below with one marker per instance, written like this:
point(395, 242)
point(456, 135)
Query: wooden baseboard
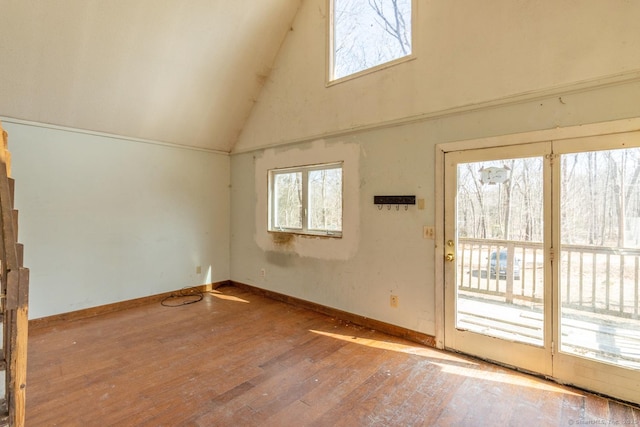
point(387, 328)
point(48, 321)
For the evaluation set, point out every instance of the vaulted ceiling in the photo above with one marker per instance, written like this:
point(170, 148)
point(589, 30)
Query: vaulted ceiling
point(183, 72)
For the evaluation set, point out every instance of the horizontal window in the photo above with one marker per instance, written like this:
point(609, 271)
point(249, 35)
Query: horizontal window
point(306, 200)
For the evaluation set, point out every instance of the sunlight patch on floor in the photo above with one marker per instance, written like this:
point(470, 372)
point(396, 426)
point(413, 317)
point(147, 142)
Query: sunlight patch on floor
point(220, 295)
point(506, 378)
point(455, 365)
point(385, 345)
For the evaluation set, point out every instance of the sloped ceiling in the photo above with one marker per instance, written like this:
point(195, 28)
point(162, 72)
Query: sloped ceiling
point(183, 72)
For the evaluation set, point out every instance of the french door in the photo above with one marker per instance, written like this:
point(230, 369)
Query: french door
point(542, 259)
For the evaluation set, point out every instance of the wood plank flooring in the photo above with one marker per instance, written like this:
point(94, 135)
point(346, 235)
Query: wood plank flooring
point(239, 359)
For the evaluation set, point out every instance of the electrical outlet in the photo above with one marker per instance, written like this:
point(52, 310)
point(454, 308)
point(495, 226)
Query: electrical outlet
point(428, 232)
point(263, 273)
point(199, 269)
point(393, 301)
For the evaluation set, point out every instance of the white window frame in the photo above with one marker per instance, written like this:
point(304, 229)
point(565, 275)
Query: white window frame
point(304, 170)
point(331, 80)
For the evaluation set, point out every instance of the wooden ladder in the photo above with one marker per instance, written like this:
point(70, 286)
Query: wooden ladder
point(14, 293)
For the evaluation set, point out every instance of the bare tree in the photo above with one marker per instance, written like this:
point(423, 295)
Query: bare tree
point(507, 208)
point(481, 230)
point(366, 34)
point(393, 22)
point(600, 199)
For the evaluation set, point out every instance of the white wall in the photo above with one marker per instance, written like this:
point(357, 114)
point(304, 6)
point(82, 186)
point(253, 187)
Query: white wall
point(389, 255)
point(106, 219)
point(467, 53)
point(482, 70)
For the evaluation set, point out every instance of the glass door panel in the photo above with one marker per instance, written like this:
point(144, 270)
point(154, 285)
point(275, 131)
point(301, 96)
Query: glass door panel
point(500, 280)
point(600, 256)
point(497, 295)
point(597, 269)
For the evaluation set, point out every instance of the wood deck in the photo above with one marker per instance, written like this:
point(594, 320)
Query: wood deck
point(597, 336)
point(239, 359)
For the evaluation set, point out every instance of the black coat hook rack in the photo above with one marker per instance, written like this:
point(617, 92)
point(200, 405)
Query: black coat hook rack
point(394, 200)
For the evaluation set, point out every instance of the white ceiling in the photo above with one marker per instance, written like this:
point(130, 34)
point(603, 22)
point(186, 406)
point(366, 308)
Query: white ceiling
point(177, 71)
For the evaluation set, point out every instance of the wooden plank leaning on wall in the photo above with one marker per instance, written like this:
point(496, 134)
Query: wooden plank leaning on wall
point(15, 296)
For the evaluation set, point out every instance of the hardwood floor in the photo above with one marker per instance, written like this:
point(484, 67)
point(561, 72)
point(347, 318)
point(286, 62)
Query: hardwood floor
point(239, 359)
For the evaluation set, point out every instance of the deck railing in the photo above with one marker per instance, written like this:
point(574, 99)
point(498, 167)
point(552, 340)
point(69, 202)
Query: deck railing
point(596, 279)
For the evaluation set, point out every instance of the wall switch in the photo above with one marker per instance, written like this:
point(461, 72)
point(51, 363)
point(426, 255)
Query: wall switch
point(263, 273)
point(428, 232)
point(420, 204)
point(199, 269)
point(393, 301)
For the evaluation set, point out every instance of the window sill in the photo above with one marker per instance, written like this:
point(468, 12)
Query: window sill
point(283, 233)
point(371, 70)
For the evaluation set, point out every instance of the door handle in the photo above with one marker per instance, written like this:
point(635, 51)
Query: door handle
point(450, 257)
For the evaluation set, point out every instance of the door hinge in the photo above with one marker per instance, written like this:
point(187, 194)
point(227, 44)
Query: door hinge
point(553, 348)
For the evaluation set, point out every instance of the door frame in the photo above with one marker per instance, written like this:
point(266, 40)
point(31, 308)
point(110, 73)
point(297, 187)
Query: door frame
point(585, 372)
point(527, 356)
point(566, 368)
point(595, 129)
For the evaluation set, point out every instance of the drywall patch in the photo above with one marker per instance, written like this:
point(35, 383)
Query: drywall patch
point(310, 153)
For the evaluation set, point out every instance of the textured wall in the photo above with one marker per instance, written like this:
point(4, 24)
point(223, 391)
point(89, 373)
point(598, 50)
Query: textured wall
point(390, 255)
point(106, 220)
point(467, 53)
